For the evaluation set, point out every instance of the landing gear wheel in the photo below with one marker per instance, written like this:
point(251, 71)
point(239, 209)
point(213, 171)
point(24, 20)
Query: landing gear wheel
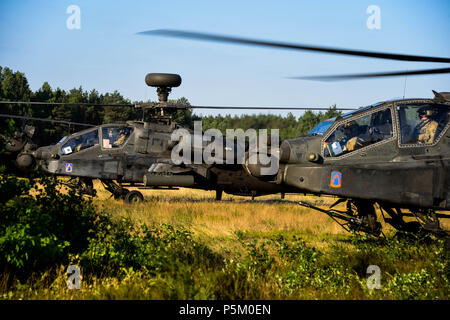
point(121, 194)
point(134, 197)
point(364, 211)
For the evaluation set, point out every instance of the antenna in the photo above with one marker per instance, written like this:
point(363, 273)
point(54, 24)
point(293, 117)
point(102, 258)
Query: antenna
point(404, 87)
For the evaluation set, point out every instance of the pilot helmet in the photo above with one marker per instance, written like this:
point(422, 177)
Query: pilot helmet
point(426, 110)
point(351, 126)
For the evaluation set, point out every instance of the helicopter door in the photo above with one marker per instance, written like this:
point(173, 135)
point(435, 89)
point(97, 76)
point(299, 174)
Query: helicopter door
point(422, 127)
point(114, 139)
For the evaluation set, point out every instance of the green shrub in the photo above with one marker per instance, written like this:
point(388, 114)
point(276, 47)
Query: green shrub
point(121, 246)
point(39, 225)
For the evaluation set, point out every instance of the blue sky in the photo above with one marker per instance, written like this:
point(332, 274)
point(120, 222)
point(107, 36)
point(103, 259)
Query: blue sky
point(106, 53)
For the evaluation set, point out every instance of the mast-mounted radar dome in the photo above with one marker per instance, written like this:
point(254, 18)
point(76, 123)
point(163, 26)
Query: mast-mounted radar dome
point(164, 82)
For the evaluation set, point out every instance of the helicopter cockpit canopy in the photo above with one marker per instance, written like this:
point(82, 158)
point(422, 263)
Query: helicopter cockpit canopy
point(80, 142)
point(422, 123)
point(358, 133)
point(321, 128)
point(115, 136)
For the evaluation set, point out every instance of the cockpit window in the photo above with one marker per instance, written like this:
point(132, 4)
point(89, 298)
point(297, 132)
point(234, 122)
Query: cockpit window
point(115, 137)
point(80, 142)
point(422, 123)
point(359, 133)
point(320, 129)
point(60, 141)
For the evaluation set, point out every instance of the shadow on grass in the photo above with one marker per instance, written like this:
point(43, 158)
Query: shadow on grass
point(211, 200)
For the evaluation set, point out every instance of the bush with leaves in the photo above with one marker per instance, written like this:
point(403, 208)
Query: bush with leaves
point(120, 246)
point(40, 224)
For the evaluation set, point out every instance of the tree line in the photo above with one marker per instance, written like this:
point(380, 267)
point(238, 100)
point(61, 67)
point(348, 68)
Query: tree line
point(14, 86)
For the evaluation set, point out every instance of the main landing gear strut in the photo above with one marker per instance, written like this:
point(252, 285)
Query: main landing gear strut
point(427, 220)
point(118, 192)
point(360, 216)
point(86, 185)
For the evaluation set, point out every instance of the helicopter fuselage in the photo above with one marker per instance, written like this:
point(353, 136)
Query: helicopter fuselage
point(383, 165)
point(386, 166)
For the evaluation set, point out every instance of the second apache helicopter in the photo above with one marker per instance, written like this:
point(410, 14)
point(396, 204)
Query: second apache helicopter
point(395, 154)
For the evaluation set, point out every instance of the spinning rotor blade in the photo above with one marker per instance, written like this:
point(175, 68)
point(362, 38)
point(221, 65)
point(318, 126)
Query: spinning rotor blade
point(374, 75)
point(291, 46)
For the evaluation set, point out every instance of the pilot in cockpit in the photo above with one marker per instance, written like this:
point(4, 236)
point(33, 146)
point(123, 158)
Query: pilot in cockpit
point(121, 138)
point(351, 139)
point(425, 130)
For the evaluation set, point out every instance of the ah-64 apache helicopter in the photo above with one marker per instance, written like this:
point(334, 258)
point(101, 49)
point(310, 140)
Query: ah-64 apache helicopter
point(137, 153)
point(394, 154)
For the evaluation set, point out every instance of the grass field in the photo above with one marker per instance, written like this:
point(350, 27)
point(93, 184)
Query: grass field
point(262, 249)
point(217, 221)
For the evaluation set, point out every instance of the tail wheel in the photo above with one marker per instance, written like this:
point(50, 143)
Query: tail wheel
point(134, 197)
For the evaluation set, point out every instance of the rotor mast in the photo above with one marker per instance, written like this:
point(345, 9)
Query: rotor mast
point(162, 111)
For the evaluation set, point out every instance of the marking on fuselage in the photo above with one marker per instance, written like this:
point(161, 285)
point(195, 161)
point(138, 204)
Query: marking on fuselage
point(336, 179)
point(68, 167)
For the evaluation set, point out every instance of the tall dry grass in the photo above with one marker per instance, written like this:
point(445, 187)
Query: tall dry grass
point(271, 248)
point(218, 221)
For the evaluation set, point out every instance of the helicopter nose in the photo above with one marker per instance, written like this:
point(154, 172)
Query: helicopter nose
point(25, 161)
point(44, 154)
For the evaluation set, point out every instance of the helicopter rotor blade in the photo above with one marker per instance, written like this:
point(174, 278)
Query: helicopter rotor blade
point(291, 46)
point(174, 106)
point(46, 120)
point(374, 75)
point(266, 108)
point(69, 103)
